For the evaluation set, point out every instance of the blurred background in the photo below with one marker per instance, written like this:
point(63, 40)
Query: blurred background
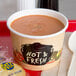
point(8, 7)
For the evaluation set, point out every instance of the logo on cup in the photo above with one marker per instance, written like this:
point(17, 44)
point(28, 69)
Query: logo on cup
point(36, 53)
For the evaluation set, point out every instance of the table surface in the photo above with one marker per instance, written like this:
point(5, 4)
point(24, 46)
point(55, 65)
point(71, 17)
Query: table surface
point(5, 38)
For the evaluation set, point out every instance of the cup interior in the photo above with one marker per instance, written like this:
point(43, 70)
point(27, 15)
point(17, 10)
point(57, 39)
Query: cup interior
point(46, 12)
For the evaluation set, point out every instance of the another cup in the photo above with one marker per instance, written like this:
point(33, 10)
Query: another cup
point(46, 50)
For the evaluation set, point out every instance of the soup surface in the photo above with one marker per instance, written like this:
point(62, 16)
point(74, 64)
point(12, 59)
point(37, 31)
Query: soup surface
point(37, 25)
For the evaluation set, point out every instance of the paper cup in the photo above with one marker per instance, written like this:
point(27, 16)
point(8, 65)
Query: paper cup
point(37, 52)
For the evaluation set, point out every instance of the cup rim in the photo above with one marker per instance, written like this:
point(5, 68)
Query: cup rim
point(38, 37)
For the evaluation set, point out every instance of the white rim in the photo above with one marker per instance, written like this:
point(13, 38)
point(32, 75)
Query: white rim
point(38, 37)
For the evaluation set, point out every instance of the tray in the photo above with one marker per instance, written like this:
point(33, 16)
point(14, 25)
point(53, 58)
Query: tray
point(5, 40)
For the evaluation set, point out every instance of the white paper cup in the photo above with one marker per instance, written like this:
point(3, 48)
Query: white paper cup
point(45, 51)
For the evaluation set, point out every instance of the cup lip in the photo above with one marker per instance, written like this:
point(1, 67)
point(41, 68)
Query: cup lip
point(38, 37)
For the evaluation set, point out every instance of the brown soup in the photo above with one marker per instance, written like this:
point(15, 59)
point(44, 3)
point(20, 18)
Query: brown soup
point(37, 25)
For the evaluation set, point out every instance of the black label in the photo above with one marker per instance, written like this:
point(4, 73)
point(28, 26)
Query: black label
point(37, 54)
